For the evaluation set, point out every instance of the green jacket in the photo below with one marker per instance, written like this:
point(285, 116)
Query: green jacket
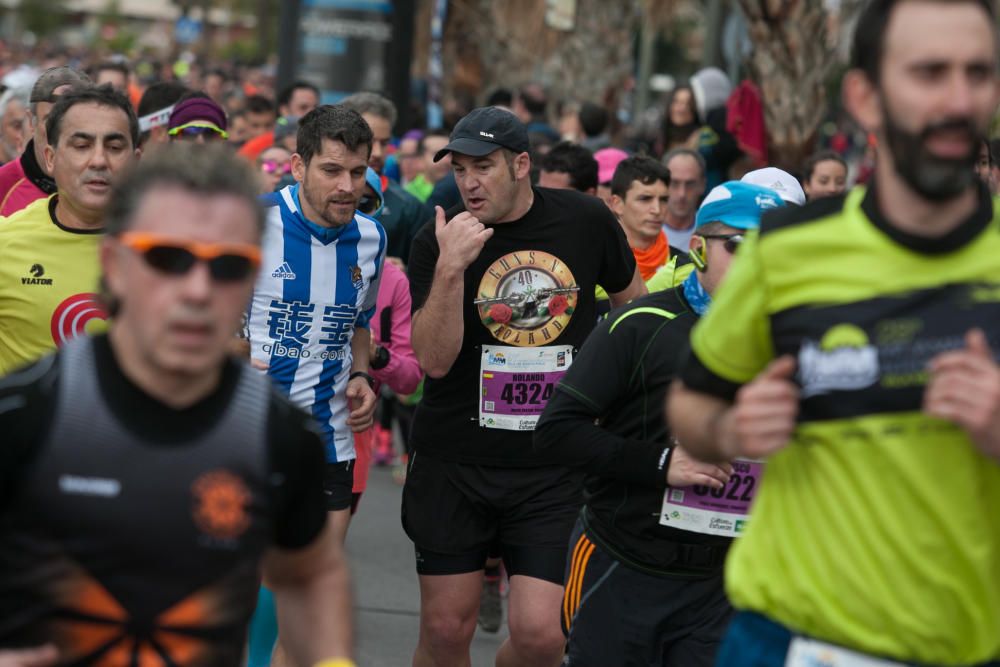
point(669, 275)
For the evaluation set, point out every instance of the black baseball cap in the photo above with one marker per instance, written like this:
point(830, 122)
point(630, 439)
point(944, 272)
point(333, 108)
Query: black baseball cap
point(483, 131)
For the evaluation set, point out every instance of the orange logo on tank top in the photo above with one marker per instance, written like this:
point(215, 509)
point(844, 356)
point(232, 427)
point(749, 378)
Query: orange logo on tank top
point(221, 501)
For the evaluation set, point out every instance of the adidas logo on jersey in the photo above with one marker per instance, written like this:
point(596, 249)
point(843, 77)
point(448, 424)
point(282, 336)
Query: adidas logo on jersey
point(284, 272)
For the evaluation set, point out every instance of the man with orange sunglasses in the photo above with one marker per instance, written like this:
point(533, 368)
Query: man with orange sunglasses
point(147, 478)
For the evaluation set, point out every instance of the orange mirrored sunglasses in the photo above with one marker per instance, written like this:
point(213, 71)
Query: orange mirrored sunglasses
point(227, 262)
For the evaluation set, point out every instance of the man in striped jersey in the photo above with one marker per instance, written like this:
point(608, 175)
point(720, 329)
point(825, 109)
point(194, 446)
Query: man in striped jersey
point(322, 261)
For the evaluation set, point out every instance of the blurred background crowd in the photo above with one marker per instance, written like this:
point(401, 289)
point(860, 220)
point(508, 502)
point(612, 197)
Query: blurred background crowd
point(629, 75)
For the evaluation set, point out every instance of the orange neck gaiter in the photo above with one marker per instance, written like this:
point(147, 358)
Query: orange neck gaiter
point(653, 257)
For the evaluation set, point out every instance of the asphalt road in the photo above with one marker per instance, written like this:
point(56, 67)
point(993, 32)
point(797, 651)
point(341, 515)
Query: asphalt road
point(386, 593)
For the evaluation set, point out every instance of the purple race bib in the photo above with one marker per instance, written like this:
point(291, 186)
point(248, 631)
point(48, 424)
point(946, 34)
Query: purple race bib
point(515, 384)
point(709, 511)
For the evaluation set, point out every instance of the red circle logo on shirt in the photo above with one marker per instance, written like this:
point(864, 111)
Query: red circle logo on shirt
point(70, 317)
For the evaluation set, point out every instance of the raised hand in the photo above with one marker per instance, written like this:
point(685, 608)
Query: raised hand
point(763, 417)
point(461, 239)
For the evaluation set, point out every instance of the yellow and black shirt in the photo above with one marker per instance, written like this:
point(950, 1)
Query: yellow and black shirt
point(48, 284)
point(876, 527)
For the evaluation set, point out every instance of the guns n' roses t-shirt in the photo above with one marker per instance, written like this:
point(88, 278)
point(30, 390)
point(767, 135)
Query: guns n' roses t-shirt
point(528, 306)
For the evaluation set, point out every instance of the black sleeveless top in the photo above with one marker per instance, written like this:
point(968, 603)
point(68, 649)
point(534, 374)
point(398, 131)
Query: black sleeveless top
point(128, 529)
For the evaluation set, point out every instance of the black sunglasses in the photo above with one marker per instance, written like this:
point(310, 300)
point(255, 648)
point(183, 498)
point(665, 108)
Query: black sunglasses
point(731, 242)
point(368, 205)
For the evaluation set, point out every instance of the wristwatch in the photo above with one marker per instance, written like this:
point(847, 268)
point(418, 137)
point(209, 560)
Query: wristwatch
point(381, 358)
point(361, 374)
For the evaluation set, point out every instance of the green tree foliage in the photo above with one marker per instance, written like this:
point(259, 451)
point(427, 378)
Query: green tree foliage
point(42, 17)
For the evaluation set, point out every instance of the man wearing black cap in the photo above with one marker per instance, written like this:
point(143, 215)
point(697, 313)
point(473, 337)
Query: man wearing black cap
point(503, 295)
point(25, 180)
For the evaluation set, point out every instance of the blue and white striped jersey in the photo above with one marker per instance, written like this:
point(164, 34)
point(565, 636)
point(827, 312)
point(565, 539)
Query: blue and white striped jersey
point(316, 285)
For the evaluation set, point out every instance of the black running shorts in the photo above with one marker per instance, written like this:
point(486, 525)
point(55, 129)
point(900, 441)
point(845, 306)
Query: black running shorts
point(455, 512)
point(338, 485)
point(616, 615)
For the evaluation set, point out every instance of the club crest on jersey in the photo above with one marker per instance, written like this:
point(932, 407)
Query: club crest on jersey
point(357, 278)
point(527, 298)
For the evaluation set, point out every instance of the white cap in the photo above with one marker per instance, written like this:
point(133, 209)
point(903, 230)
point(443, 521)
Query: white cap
point(780, 181)
point(711, 88)
point(21, 76)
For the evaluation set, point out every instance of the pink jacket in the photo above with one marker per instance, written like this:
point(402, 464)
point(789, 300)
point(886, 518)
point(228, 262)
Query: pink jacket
point(16, 189)
point(403, 372)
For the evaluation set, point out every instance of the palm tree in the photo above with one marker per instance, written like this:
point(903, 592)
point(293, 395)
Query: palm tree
point(792, 59)
point(509, 42)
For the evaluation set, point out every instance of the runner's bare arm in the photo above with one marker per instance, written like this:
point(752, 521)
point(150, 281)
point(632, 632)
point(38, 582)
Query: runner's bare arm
point(694, 418)
point(360, 396)
point(361, 350)
point(438, 327)
point(312, 590)
point(42, 656)
point(758, 424)
point(634, 290)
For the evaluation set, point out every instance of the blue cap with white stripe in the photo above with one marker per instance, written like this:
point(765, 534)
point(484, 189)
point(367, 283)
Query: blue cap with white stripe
point(737, 204)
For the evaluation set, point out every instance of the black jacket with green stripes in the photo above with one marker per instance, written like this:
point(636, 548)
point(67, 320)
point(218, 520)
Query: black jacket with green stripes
point(606, 416)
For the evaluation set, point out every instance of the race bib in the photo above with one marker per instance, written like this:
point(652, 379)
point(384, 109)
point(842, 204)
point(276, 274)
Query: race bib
point(702, 509)
point(804, 652)
point(515, 384)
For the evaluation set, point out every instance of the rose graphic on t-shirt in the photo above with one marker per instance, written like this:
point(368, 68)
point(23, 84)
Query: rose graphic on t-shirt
point(527, 298)
point(558, 305)
point(501, 312)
